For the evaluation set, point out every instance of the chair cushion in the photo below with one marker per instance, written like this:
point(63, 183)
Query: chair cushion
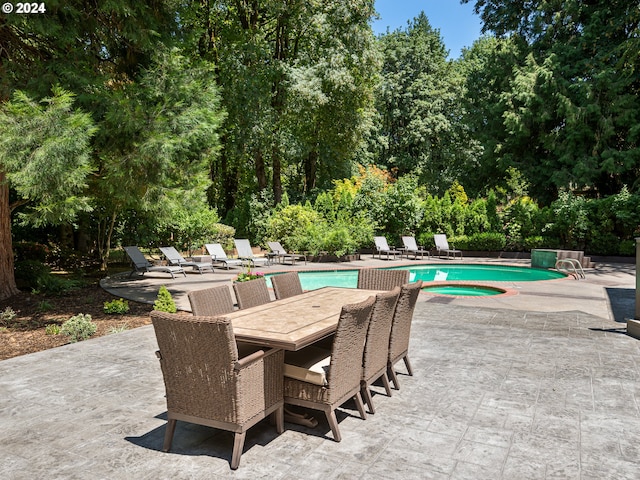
point(310, 365)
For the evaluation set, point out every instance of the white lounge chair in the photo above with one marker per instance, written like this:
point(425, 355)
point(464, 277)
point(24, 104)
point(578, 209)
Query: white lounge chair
point(245, 253)
point(382, 247)
point(218, 255)
point(281, 255)
point(442, 246)
point(174, 258)
point(412, 248)
point(142, 265)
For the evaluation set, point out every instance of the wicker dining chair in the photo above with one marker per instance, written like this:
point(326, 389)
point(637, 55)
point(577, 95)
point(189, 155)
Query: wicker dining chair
point(286, 285)
point(401, 330)
point(239, 388)
point(211, 301)
point(376, 348)
point(376, 279)
point(252, 293)
point(322, 379)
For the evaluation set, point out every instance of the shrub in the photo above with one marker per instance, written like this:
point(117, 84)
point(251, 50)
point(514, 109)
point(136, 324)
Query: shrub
point(7, 315)
point(79, 327)
point(118, 306)
point(55, 284)
point(52, 329)
point(30, 251)
point(27, 273)
point(165, 302)
point(485, 242)
point(627, 247)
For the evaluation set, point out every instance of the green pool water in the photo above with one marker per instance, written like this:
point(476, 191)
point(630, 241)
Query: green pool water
point(429, 273)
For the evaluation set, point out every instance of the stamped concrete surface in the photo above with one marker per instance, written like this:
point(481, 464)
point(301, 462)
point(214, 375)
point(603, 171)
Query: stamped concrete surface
point(539, 385)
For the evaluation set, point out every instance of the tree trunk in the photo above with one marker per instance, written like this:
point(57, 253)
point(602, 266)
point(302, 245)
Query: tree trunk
point(310, 170)
point(7, 278)
point(261, 171)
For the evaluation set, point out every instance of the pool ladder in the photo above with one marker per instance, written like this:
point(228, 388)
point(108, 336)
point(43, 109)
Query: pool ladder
point(571, 266)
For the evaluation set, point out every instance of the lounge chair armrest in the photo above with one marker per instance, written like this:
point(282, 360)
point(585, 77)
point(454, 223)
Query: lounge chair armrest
point(254, 357)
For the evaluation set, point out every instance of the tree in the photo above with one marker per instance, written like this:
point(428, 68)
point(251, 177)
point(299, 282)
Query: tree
point(572, 106)
point(44, 152)
point(420, 126)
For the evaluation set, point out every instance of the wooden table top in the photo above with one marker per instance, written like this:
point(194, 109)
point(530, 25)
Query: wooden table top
point(295, 322)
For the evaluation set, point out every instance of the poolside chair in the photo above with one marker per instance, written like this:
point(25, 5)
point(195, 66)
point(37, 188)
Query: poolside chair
point(376, 348)
point(323, 379)
point(142, 265)
point(383, 248)
point(412, 248)
point(378, 279)
point(286, 285)
point(252, 293)
point(241, 385)
point(210, 302)
point(245, 253)
point(401, 330)
point(218, 255)
point(442, 246)
point(174, 258)
point(281, 255)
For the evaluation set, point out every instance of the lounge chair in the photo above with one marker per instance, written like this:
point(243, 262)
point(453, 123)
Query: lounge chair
point(245, 253)
point(324, 379)
point(378, 279)
point(412, 248)
point(174, 258)
point(382, 247)
point(142, 265)
point(442, 246)
point(218, 255)
point(210, 380)
point(376, 348)
point(281, 255)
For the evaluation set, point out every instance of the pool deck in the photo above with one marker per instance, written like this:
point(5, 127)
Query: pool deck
point(538, 385)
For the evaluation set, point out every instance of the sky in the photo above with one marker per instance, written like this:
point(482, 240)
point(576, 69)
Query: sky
point(458, 25)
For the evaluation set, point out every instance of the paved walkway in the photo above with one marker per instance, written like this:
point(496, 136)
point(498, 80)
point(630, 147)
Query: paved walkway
point(540, 385)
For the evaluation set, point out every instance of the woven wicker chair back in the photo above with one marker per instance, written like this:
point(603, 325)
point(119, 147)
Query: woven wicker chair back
point(188, 347)
point(211, 301)
point(376, 279)
point(348, 347)
point(376, 347)
point(252, 293)
point(286, 285)
point(401, 325)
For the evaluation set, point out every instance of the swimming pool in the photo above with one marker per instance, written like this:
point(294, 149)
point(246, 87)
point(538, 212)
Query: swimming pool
point(430, 273)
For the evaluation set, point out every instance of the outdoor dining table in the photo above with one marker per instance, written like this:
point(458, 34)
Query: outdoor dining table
point(295, 322)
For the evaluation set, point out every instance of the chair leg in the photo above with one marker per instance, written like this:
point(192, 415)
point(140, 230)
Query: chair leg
point(408, 365)
point(392, 375)
point(366, 394)
point(358, 398)
point(168, 434)
point(385, 382)
point(238, 445)
point(279, 415)
point(333, 424)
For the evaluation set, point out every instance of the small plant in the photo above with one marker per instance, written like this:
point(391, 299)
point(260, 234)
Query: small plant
point(52, 329)
point(118, 306)
point(79, 327)
point(248, 275)
point(120, 328)
point(44, 306)
point(3, 329)
point(164, 302)
point(7, 315)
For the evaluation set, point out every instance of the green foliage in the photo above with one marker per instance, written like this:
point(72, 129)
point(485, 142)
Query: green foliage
point(247, 275)
point(483, 242)
point(79, 327)
point(290, 222)
point(30, 251)
point(118, 306)
point(7, 316)
point(164, 302)
point(119, 329)
point(52, 329)
point(27, 272)
point(44, 306)
point(53, 284)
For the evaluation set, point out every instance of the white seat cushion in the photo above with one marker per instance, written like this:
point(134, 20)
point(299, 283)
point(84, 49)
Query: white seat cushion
point(310, 365)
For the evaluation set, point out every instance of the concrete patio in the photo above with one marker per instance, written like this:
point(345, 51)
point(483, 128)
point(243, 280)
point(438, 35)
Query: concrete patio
point(539, 385)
